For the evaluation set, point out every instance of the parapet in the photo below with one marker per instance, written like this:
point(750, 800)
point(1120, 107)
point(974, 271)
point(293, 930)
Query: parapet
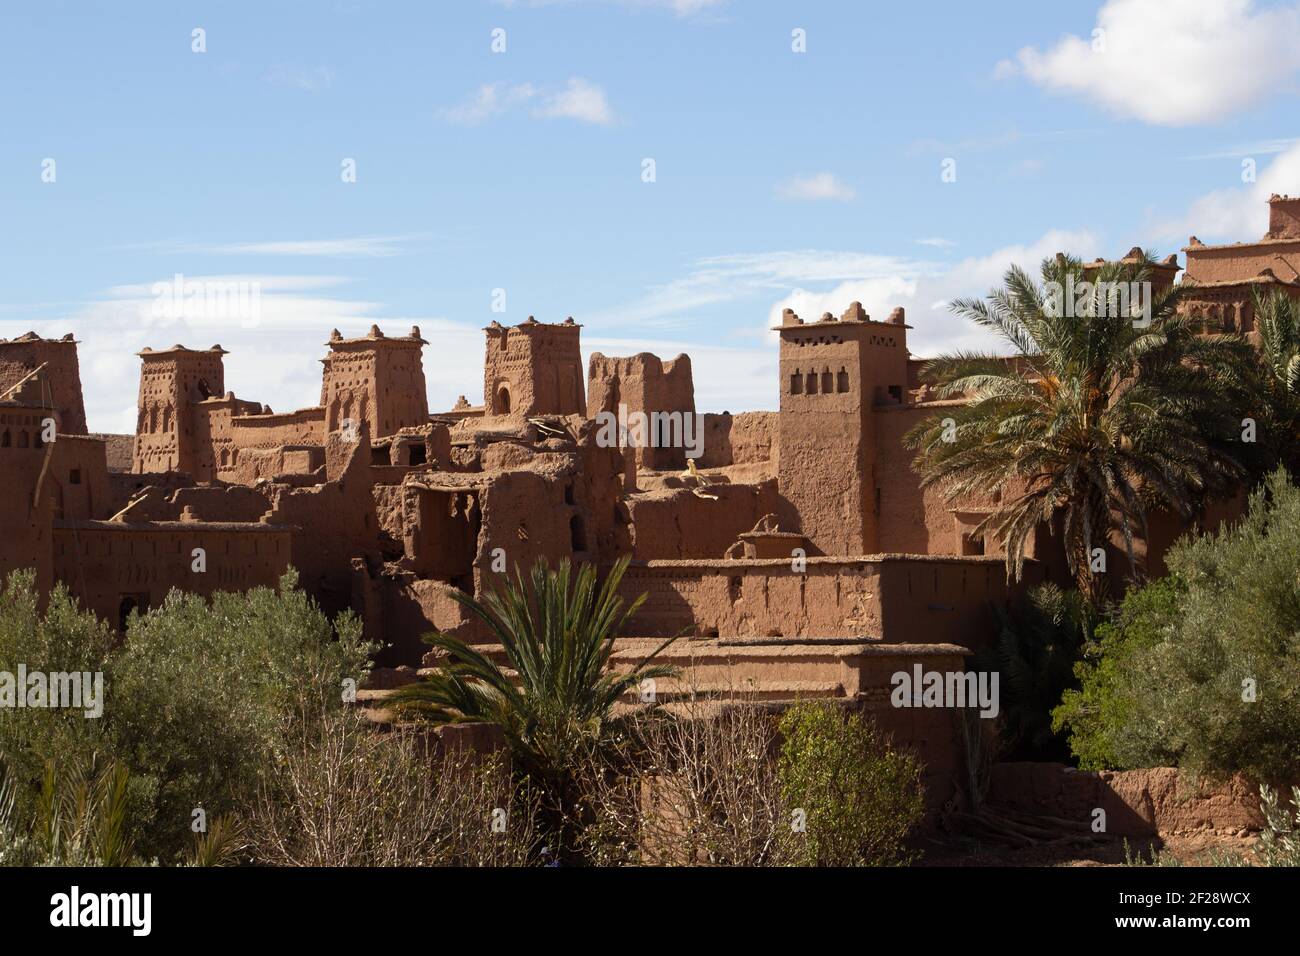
point(376, 336)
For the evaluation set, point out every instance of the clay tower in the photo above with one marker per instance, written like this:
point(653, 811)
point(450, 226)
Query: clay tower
point(61, 374)
point(172, 382)
point(833, 372)
point(375, 379)
point(533, 368)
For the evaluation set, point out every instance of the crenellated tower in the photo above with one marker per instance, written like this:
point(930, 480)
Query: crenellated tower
point(376, 379)
point(172, 382)
point(834, 372)
point(534, 368)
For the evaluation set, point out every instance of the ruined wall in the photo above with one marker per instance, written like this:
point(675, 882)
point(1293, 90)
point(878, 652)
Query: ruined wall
point(112, 567)
point(646, 384)
point(62, 375)
point(895, 598)
point(213, 440)
point(747, 438)
point(334, 522)
point(681, 524)
point(533, 369)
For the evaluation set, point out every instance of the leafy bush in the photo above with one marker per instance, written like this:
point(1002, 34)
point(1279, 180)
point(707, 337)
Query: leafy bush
point(1201, 672)
point(859, 796)
point(1279, 842)
point(1101, 713)
point(194, 698)
point(199, 693)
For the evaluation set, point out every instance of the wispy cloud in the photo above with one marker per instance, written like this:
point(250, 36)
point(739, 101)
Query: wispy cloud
point(818, 186)
point(580, 99)
point(936, 242)
point(355, 247)
point(489, 100)
point(1263, 147)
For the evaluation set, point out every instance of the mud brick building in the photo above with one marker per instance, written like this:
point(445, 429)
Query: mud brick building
point(797, 553)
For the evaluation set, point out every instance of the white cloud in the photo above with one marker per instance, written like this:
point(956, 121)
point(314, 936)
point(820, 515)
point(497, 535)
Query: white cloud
point(925, 295)
point(716, 280)
point(580, 100)
point(273, 355)
point(815, 187)
point(1172, 64)
point(357, 247)
point(1238, 214)
point(936, 241)
point(490, 100)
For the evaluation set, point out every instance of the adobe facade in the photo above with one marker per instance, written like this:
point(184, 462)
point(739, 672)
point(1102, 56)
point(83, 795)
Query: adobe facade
point(799, 542)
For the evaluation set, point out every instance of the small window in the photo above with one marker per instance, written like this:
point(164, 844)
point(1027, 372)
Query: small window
point(811, 383)
point(74, 476)
point(896, 393)
point(419, 455)
point(796, 388)
point(828, 384)
point(842, 381)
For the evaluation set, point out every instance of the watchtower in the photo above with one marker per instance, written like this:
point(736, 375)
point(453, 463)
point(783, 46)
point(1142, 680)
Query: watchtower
point(533, 368)
point(172, 382)
point(376, 379)
point(833, 373)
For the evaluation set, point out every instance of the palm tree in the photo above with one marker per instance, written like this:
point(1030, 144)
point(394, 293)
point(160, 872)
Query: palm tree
point(555, 701)
point(1102, 413)
point(1277, 320)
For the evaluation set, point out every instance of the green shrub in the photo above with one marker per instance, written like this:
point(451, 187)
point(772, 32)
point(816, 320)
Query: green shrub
point(195, 698)
point(859, 797)
point(1202, 672)
point(1101, 715)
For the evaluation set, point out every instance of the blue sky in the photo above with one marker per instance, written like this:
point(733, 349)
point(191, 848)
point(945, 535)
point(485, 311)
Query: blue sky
point(781, 178)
